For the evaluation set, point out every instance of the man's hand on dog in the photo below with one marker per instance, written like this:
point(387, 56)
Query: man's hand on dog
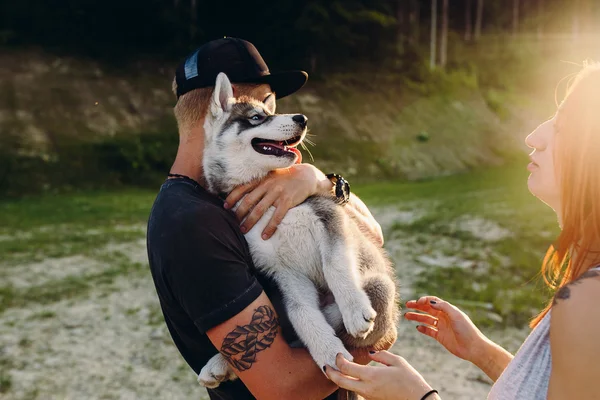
point(282, 188)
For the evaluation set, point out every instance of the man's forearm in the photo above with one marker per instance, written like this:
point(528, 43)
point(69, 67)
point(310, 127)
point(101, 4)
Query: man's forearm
point(493, 360)
point(305, 379)
point(308, 382)
point(318, 385)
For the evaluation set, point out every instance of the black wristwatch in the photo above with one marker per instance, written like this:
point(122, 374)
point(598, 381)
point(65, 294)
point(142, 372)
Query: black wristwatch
point(341, 188)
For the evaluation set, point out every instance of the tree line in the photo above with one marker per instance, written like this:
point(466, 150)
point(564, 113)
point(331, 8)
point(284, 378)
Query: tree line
point(315, 34)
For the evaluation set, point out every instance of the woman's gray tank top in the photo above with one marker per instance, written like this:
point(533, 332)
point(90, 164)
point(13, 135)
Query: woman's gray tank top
point(527, 376)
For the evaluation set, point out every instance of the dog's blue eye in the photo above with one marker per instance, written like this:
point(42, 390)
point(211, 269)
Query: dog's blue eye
point(256, 117)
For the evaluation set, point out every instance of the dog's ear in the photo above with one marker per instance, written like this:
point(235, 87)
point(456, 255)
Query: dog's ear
point(222, 97)
point(270, 103)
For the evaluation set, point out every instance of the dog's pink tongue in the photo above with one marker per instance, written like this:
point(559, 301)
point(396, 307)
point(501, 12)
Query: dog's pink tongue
point(295, 150)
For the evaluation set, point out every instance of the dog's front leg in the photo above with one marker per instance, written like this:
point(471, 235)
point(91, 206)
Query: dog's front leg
point(340, 269)
point(301, 301)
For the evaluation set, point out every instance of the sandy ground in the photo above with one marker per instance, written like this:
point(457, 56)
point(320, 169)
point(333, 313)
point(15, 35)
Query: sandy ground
point(454, 378)
point(111, 341)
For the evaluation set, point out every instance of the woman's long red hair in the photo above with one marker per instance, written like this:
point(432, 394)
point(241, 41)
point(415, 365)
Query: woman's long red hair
point(577, 162)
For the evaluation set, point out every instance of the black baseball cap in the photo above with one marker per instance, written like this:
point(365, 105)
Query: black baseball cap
point(240, 61)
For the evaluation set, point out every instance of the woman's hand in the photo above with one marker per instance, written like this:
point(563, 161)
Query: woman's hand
point(454, 330)
point(282, 188)
point(451, 327)
point(397, 381)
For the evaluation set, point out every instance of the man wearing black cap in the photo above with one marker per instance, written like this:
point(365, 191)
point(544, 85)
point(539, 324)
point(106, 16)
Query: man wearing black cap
point(209, 292)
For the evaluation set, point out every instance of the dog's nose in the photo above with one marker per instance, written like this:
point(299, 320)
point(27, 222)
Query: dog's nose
point(300, 119)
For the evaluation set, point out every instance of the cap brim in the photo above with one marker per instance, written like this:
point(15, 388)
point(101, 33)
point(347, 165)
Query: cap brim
point(284, 83)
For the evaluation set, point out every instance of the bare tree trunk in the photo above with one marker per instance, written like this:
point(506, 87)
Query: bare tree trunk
point(444, 38)
point(418, 20)
point(540, 12)
point(479, 19)
point(313, 62)
point(433, 36)
point(400, 26)
point(193, 18)
point(468, 20)
point(414, 22)
point(515, 18)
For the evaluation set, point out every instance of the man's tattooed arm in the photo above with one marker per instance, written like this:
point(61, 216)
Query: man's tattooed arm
point(564, 293)
point(242, 344)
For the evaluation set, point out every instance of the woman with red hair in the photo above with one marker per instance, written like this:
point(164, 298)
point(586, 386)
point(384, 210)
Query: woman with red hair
point(561, 357)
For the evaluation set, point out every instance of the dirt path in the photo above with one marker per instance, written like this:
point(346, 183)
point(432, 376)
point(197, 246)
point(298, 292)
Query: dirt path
point(110, 341)
point(454, 378)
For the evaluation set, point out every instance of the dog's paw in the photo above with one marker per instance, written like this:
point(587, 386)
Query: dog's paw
point(211, 379)
point(329, 354)
point(359, 320)
point(217, 370)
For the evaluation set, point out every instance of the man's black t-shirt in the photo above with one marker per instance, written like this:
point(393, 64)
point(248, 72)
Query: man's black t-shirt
point(201, 268)
point(203, 273)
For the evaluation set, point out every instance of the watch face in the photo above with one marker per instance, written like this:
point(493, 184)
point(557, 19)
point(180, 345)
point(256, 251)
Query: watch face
point(341, 188)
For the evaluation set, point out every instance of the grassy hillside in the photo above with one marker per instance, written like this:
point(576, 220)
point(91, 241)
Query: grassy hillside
point(70, 123)
point(381, 127)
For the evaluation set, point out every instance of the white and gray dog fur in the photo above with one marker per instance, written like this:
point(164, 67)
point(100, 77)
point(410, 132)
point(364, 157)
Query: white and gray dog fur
point(317, 247)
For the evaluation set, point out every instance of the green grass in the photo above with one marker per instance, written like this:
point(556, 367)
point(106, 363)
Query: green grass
point(86, 208)
point(74, 239)
point(496, 281)
point(34, 228)
point(5, 382)
point(400, 126)
point(44, 315)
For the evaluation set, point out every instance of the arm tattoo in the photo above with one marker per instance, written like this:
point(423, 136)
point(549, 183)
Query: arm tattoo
point(241, 344)
point(564, 293)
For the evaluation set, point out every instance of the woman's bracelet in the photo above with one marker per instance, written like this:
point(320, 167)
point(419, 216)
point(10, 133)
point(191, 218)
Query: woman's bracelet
point(426, 395)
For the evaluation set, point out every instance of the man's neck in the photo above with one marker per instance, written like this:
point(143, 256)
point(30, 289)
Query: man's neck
point(188, 161)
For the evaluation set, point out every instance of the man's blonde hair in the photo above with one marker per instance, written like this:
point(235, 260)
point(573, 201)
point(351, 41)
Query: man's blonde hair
point(193, 105)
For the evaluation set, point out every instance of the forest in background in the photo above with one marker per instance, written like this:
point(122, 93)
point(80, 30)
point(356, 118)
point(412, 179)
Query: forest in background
point(85, 101)
point(317, 35)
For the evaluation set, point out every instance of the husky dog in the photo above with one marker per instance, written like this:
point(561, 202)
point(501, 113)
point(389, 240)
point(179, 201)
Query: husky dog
point(317, 246)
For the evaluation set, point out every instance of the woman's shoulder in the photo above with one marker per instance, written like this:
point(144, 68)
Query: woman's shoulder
point(575, 316)
point(574, 339)
point(583, 289)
